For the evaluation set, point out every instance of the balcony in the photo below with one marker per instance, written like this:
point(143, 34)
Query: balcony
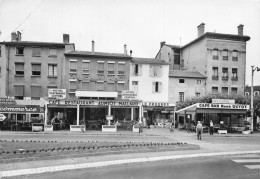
point(214, 77)
point(234, 78)
point(224, 77)
point(225, 58)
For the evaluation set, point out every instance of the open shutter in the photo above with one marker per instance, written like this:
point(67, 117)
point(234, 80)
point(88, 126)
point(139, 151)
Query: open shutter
point(160, 87)
point(151, 70)
point(153, 87)
point(140, 70)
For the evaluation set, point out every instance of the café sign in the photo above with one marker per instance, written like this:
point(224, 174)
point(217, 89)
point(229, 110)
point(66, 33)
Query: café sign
point(57, 93)
point(222, 106)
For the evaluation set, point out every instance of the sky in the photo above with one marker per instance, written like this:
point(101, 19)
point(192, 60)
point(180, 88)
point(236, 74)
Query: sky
point(140, 24)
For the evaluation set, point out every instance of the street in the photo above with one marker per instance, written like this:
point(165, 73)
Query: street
point(196, 168)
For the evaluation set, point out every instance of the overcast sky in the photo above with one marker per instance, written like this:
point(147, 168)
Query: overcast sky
point(141, 24)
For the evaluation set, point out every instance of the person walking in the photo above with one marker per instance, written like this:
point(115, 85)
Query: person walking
point(211, 127)
point(199, 130)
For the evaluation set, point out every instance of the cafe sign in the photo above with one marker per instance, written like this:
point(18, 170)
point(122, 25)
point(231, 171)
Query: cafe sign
point(57, 93)
point(222, 106)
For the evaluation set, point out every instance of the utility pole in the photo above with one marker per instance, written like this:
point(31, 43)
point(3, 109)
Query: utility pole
point(252, 97)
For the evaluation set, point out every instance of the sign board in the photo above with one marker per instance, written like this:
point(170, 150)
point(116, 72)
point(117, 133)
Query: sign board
point(21, 109)
point(163, 104)
point(109, 118)
point(222, 106)
point(223, 101)
point(2, 117)
point(7, 101)
point(131, 95)
point(57, 93)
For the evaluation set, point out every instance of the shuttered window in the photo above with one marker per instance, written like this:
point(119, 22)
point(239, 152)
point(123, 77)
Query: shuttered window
point(157, 87)
point(36, 51)
point(110, 86)
point(100, 68)
point(85, 67)
point(111, 68)
point(73, 86)
point(19, 68)
point(35, 92)
point(36, 69)
point(100, 86)
point(120, 86)
point(52, 52)
point(85, 86)
point(19, 92)
point(121, 68)
point(73, 66)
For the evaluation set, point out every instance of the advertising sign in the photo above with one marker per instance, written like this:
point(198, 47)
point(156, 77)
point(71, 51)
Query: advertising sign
point(223, 101)
point(21, 109)
point(57, 93)
point(130, 95)
point(7, 101)
point(222, 106)
point(2, 117)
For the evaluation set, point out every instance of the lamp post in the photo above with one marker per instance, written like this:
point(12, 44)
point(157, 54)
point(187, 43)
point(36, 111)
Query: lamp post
point(252, 97)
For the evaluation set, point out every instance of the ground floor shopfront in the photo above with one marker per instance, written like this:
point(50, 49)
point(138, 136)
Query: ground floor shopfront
point(231, 117)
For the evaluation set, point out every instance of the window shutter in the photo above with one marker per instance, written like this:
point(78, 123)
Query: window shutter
point(160, 71)
point(19, 90)
point(35, 91)
point(160, 87)
point(19, 67)
point(36, 67)
point(140, 70)
point(85, 86)
point(153, 90)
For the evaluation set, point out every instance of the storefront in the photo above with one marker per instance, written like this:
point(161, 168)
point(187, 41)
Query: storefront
point(91, 113)
point(230, 116)
point(158, 113)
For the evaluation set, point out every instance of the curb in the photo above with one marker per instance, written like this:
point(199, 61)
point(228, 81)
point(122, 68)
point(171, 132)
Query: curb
point(12, 173)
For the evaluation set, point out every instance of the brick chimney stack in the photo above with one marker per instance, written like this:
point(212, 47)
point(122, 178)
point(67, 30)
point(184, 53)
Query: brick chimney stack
point(19, 36)
point(13, 37)
point(125, 50)
point(66, 38)
point(93, 46)
point(240, 29)
point(162, 44)
point(201, 29)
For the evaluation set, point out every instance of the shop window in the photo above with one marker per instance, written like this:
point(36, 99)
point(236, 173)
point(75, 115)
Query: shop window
point(73, 86)
point(157, 87)
point(36, 69)
point(224, 73)
point(121, 68)
point(100, 70)
point(100, 86)
point(111, 68)
point(214, 89)
point(36, 51)
point(35, 92)
point(225, 54)
point(233, 90)
point(215, 54)
point(73, 66)
point(53, 52)
point(235, 55)
point(85, 86)
point(181, 81)
point(19, 68)
point(85, 67)
point(110, 86)
point(234, 74)
point(19, 50)
point(52, 70)
point(19, 92)
point(135, 86)
point(181, 96)
point(120, 86)
point(224, 90)
point(155, 70)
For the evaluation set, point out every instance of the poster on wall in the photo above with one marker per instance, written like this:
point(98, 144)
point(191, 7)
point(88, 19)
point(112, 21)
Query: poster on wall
point(57, 93)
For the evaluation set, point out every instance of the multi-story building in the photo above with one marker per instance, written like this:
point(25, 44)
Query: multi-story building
point(220, 57)
point(149, 80)
point(28, 69)
point(184, 84)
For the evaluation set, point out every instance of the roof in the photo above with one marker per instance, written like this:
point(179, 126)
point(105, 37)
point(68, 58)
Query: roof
point(33, 43)
point(255, 88)
point(173, 46)
point(186, 74)
point(149, 61)
point(97, 54)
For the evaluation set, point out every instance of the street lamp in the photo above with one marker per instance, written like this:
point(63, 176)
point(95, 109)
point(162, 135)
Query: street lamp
point(252, 97)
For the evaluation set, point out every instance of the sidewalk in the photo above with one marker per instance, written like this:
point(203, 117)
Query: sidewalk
point(206, 149)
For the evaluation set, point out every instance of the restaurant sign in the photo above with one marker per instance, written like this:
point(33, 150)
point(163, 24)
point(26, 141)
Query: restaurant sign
point(21, 109)
point(57, 93)
point(222, 106)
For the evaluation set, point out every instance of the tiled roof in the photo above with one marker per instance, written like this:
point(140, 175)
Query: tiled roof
point(149, 61)
point(33, 43)
point(186, 74)
point(100, 54)
point(173, 46)
point(255, 88)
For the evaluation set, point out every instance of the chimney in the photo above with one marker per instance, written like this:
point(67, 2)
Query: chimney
point(240, 29)
point(201, 29)
point(13, 37)
point(131, 53)
point(66, 38)
point(162, 44)
point(93, 46)
point(19, 36)
point(125, 50)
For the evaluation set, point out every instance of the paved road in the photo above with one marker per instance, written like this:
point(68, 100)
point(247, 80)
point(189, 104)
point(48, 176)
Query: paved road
point(240, 167)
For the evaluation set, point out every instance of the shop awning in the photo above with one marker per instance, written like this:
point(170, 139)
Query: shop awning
point(97, 94)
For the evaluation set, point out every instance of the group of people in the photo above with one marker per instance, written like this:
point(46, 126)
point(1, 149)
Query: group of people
point(199, 129)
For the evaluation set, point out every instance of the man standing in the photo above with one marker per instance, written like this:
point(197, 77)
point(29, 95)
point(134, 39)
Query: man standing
point(199, 130)
point(211, 127)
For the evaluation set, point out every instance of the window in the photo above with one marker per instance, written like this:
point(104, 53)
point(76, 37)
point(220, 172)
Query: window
point(197, 94)
point(73, 66)
point(121, 68)
point(111, 68)
point(85, 86)
point(110, 86)
point(19, 92)
point(0, 71)
point(225, 55)
point(100, 86)
point(100, 70)
point(35, 92)
point(224, 90)
point(157, 87)
point(177, 59)
point(181, 81)
point(135, 86)
point(155, 70)
point(73, 86)
point(224, 73)
point(214, 89)
point(234, 74)
point(233, 90)
point(181, 96)
point(198, 81)
point(137, 69)
point(53, 52)
point(85, 67)
point(36, 51)
point(36, 69)
point(215, 54)
point(19, 68)
point(0, 51)
point(19, 50)
point(52, 70)
point(215, 73)
point(235, 55)
point(120, 86)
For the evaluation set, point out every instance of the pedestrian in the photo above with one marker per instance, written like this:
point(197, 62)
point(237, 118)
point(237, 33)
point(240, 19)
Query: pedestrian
point(199, 130)
point(171, 127)
point(211, 127)
point(140, 126)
